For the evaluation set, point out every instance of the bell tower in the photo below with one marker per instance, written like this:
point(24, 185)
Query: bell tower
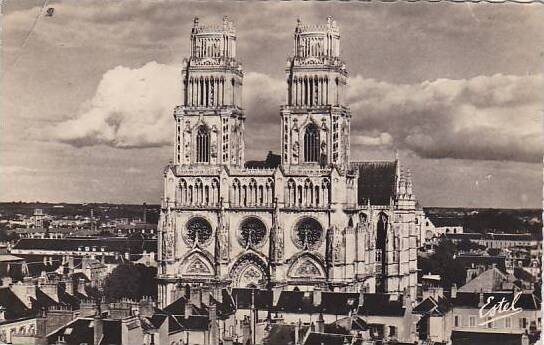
point(210, 123)
point(315, 121)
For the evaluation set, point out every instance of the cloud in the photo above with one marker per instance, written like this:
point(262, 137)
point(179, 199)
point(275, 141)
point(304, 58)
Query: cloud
point(485, 118)
point(382, 139)
point(130, 108)
point(15, 169)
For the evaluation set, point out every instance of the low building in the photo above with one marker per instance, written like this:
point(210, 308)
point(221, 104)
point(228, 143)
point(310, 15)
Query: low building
point(467, 315)
point(49, 254)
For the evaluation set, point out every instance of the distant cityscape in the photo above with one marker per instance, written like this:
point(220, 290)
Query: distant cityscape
point(58, 264)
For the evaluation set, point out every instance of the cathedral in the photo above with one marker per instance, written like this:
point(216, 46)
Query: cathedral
point(309, 217)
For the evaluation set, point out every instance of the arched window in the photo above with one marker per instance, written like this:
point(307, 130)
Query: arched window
point(202, 145)
point(311, 143)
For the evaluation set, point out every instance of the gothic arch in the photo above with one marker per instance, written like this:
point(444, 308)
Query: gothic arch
point(197, 264)
point(250, 271)
point(307, 266)
point(203, 144)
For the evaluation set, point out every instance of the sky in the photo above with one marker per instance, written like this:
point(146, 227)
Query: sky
point(455, 89)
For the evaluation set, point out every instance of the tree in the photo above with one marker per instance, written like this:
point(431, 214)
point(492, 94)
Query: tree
point(442, 262)
point(467, 245)
point(130, 281)
point(8, 236)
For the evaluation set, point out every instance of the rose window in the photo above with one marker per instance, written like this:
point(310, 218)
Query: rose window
point(252, 232)
point(308, 233)
point(198, 230)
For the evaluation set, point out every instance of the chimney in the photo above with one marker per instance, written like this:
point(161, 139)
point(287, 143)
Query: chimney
point(98, 329)
point(69, 285)
point(454, 291)
point(81, 287)
point(320, 324)
point(317, 296)
point(146, 307)
point(70, 264)
point(481, 303)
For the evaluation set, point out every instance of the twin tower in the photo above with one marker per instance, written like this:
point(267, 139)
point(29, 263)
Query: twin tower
point(213, 79)
point(308, 218)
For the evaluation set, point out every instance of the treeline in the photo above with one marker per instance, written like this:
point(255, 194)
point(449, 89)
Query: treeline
point(493, 220)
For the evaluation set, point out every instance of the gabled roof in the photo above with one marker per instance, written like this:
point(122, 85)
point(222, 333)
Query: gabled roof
point(79, 331)
point(377, 182)
point(68, 300)
point(522, 274)
point(42, 301)
point(431, 306)
point(15, 308)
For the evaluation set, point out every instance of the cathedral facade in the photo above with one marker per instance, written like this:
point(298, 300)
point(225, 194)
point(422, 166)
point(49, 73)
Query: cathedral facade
point(307, 218)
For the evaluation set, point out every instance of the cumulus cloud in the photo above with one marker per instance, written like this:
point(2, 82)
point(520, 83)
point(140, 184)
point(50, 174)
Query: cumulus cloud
point(485, 118)
point(131, 108)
